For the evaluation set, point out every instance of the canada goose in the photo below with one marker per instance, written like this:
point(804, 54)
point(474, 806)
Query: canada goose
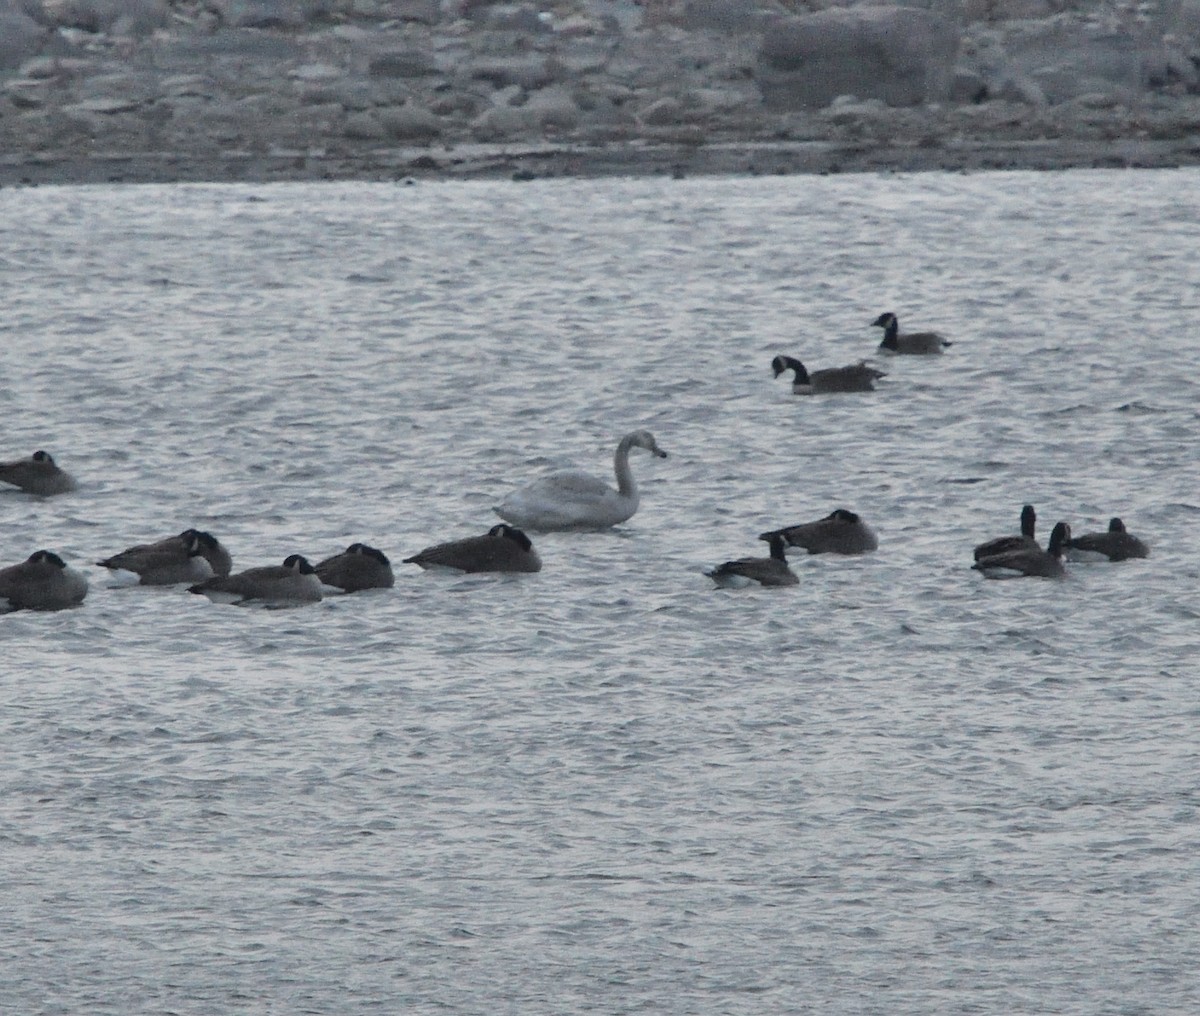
point(1003, 544)
point(1115, 545)
point(1029, 561)
point(501, 549)
point(175, 559)
point(766, 571)
point(37, 474)
point(572, 499)
point(918, 343)
point(839, 532)
point(356, 568)
point(857, 377)
point(295, 581)
point(41, 582)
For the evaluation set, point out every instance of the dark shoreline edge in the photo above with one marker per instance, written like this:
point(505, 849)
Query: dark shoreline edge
point(631, 159)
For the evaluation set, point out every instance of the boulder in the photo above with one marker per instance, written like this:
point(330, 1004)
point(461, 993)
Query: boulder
point(117, 17)
point(21, 38)
point(271, 13)
point(409, 123)
point(903, 56)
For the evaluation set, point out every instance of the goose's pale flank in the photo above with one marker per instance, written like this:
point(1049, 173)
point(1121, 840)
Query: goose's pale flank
point(179, 558)
point(1002, 544)
point(840, 532)
point(356, 568)
point(572, 499)
point(856, 377)
point(38, 474)
point(765, 571)
point(1115, 545)
point(915, 343)
point(1026, 561)
point(502, 549)
point(294, 581)
point(41, 582)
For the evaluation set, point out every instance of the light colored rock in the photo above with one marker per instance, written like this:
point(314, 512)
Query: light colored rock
point(904, 56)
point(555, 108)
point(663, 112)
point(530, 72)
point(409, 123)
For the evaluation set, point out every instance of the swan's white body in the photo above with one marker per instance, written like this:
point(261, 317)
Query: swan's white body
point(572, 499)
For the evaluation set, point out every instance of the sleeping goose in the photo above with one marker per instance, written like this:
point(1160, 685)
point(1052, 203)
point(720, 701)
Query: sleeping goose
point(1002, 544)
point(856, 377)
point(295, 581)
point(37, 474)
point(356, 568)
point(766, 571)
point(501, 549)
point(162, 564)
point(1031, 561)
point(183, 558)
point(839, 532)
point(572, 499)
point(918, 343)
point(41, 582)
point(1114, 545)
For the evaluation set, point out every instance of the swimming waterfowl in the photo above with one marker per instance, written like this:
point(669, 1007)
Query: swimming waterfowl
point(1115, 545)
point(502, 549)
point(856, 377)
point(572, 499)
point(1028, 561)
point(37, 474)
point(356, 568)
point(916, 343)
point(840, 532)
point(1003, 544)
point(183, 558)
point(766, 571)
point(164, 563)
point(295, 581)
point(41, 582)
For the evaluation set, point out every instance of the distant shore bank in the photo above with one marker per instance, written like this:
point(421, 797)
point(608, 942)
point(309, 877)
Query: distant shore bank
point(541, 161)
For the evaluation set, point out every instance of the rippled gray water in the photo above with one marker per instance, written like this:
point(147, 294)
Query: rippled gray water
point(608, 787)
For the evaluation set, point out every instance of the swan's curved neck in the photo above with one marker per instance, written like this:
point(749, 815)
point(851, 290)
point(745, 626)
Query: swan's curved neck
point(625, 484)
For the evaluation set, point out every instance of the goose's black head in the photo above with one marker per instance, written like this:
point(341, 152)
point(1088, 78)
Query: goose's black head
point(1028, 520)
point(1116, 526)
point(511, 533)
point(41, 456)
point(48, 556)
point(843, 515)
point(367, 551)
point(299, 563)
point(206, 540)
point(777, 543)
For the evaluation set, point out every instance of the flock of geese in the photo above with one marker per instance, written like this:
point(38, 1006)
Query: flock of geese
point(565, 499)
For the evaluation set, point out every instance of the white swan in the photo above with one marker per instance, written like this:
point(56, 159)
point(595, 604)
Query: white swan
point(571, 499)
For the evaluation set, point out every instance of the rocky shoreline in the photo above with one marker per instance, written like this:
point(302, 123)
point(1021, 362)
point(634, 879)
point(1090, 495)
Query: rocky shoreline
point(104, 91)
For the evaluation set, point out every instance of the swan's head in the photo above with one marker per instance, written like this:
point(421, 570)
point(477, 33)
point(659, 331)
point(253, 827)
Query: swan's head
point(299, 564)
point(644, 439)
